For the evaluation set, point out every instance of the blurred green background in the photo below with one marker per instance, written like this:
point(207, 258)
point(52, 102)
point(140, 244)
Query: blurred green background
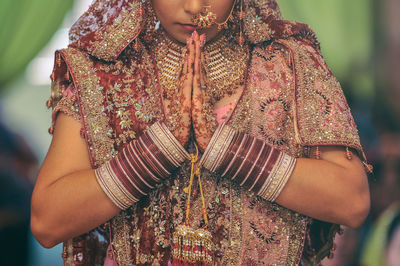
point(359, 38)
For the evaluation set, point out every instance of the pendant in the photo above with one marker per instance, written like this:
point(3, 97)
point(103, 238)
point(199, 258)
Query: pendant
point(189, 246)
point(192, 247)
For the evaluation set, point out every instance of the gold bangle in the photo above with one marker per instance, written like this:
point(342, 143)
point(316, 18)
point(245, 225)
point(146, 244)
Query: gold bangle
point(184, 155)
point(204, 159)
point(217, 148)
point(163, 144)
point(167, 144)
point(267, 182)
point(113, 188)
point(221, 147)
point(270, 182)
point(278, 177)
point(285, 171)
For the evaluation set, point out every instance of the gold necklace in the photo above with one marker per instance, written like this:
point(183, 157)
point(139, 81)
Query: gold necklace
point(224, 62)
point(169, 58)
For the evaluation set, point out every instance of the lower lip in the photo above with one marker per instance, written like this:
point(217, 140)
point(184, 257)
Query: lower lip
point(188, 27)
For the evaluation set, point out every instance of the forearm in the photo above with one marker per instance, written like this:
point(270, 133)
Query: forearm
point(333, 188)
point(328, 191)
point(72, 205)
point(69, 200)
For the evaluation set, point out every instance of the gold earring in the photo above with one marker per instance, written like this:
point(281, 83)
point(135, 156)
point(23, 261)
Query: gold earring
point(241, 15)
point(205, 19)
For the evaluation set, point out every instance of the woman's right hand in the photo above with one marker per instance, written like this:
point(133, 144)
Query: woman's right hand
point(183, 124)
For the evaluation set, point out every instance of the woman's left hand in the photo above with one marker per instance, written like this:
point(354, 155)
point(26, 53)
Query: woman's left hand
point(201, 130)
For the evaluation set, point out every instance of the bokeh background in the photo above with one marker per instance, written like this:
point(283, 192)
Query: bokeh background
point(360, 40)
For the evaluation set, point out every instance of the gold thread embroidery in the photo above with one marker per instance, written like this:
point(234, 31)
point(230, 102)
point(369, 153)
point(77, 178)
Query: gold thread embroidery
point(86, 82)
point(115, 40)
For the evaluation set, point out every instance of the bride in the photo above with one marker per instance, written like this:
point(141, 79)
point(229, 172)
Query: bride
point(196, 132)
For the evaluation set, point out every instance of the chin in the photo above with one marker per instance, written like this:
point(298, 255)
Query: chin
point(181, 37)
point(178, 35)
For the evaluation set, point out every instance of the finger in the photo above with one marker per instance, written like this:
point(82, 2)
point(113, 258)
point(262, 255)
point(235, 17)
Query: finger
point(202, 40)
point(190, 47)
point(197, 61)
point(186, 83)
point(186, 74)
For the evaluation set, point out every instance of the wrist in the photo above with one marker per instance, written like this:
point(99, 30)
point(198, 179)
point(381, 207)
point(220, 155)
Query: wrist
point(248, 161)
point(217, 148)
point(140, 166)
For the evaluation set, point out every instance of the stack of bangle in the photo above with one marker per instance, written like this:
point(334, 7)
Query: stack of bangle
point(249, 161)
point(141, 165)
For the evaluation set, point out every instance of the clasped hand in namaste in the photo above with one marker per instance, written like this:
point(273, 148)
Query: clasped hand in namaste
point(191, 96)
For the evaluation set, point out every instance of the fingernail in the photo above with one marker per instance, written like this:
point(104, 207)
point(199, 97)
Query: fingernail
point(195, 35)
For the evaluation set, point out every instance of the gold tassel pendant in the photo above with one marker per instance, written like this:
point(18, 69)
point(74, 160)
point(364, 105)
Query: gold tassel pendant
point(193, 247)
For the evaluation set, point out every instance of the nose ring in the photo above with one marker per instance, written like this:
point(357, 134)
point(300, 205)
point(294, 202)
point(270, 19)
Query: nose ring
point(205, 19)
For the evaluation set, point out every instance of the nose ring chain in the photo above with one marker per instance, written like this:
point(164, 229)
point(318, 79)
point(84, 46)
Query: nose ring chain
point(206, 18)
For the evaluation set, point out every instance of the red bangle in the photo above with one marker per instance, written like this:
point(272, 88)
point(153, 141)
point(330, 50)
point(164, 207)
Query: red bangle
point(137, 169)
point(153, 149)
point(240, 142)
point(232, 149)
point(147, 159)
point(240, 157)
point(253, 161)
point(248, 164)
point(254, 165)
point(265, 168)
